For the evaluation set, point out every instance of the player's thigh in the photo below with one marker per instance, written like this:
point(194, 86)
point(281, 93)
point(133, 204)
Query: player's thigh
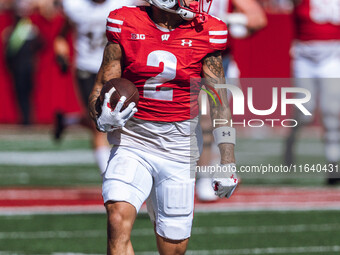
point(126, 179)
point(330, 67)
point(303, 67)
point(172, 201)
point(330, 91)
point(330, 101)
point(312, 86)
point(303, 78)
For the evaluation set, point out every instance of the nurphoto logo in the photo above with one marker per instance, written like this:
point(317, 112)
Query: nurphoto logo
point(239, 103)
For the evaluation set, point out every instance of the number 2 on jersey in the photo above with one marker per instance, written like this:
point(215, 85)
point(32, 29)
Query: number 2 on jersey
point(151, 86)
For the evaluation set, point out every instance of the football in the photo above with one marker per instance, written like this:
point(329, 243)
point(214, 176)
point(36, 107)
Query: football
point(123, 87)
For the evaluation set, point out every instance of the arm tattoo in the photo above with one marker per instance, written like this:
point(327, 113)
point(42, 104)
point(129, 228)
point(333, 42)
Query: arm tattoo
point(111, 54)
point(227, 153)
point(109, 69)
point(214, 74)
point(111, 66)
point(213, 71)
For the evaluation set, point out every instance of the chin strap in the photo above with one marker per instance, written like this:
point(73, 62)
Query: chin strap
point(185, 14)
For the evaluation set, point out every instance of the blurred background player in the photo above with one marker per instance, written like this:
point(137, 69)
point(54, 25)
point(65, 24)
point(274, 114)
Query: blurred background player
point(243, 17)
point(88, 19)
point(27, 46)
point(316, 67)
point(21, 48)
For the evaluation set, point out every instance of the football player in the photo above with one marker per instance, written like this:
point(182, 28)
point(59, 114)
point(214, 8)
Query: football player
point(160, 48)
point(316, 66)
point(90, 40)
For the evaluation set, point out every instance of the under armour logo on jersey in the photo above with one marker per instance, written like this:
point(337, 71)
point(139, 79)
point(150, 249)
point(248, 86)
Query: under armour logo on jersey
point(165, 37)
point(226, 133)
point(184, 42)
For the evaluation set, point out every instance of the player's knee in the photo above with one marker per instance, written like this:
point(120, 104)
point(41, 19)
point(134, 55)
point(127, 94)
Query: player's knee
point(116, 220)
point(177, 251)
point(180, 247)
point(119, 223)
point(171, 247)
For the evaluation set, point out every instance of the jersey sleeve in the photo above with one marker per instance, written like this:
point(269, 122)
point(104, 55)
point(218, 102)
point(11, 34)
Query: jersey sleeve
point(114, 25)
point(217, 34)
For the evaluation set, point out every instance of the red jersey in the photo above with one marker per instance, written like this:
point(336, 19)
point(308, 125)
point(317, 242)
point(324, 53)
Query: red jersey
point(317, 20)
point(161, 62)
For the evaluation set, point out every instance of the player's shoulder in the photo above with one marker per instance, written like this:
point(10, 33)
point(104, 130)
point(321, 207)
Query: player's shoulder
point(126, 12)
point(214, 23)
point(215, 33)
point(122, 19)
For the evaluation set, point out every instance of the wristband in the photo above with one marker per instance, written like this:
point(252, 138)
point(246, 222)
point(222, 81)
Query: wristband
point(224, 135)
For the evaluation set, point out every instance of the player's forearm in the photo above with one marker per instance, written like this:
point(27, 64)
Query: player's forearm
point(109, 69)
point(214, 74)
point(227, 153)
point(220, 110)
point(223, 112)
point(93, 99)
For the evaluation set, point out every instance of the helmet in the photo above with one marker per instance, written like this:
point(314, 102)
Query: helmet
point(196, 8)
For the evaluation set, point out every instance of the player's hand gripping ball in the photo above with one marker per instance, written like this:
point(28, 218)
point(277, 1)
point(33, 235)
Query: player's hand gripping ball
point(116, 104)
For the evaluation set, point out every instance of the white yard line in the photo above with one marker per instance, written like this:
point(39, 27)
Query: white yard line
point(70, 157)
point(44, 210)
point(93, 209)
point(11, 253)
point(42, 158)
point(195, 231)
